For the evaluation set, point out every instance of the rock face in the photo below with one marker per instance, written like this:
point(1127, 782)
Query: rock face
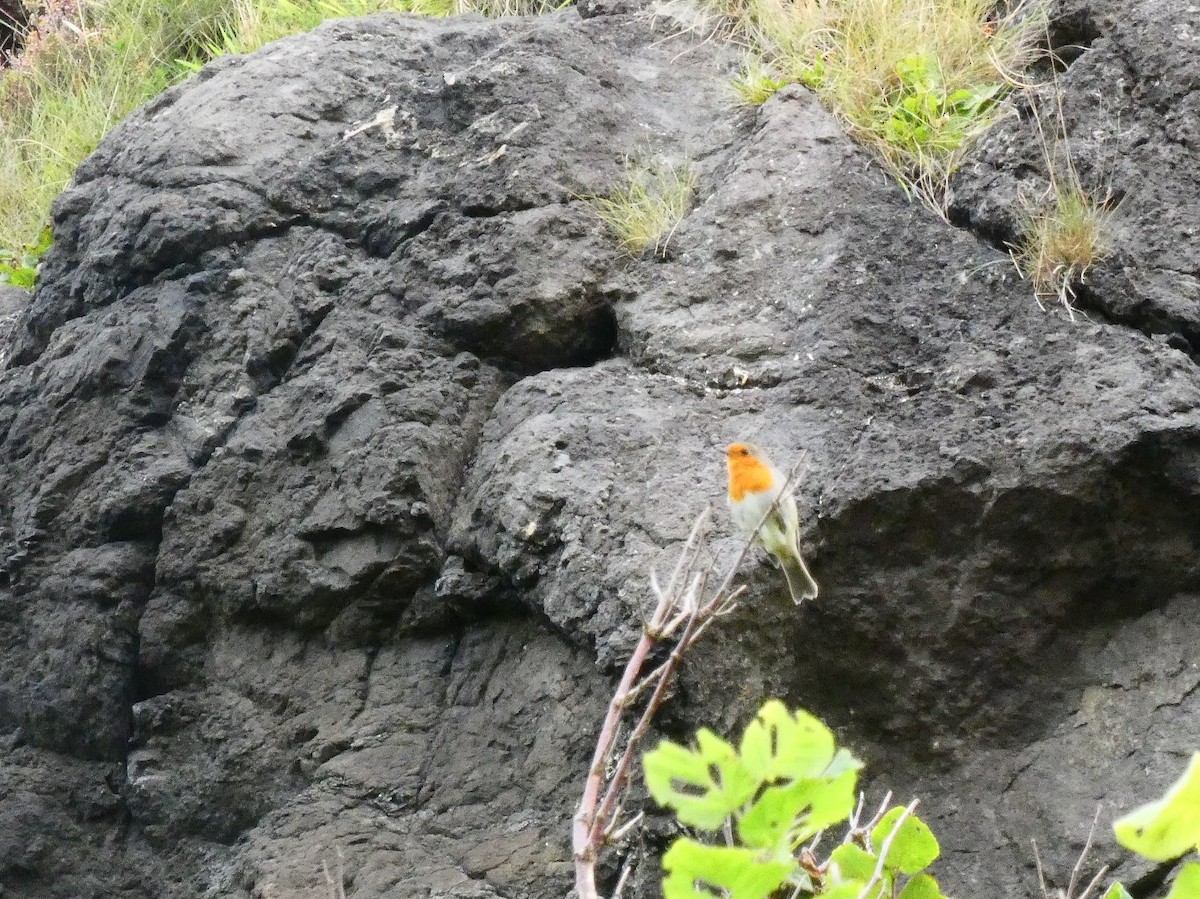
point(339, 441)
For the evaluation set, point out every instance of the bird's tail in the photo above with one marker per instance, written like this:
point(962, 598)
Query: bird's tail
point(800, 582)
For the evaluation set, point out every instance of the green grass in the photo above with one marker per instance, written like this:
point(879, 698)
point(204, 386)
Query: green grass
point(916, 81)
point(756, 81)
point(644, 210)
point(87, 64)
point(254, 23)
point(76, 79)
point(251, 24)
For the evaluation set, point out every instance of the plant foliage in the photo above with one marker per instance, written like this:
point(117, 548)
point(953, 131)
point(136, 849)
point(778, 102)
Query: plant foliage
point(20, 268)
point(914, 80)
point(1166, 829)
point(785, 783)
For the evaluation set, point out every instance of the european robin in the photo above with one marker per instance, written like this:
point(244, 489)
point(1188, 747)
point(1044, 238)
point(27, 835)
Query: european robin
point(756, 495)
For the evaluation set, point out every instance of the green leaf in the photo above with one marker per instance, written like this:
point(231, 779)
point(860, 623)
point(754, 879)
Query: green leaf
point(1187, 884)
point(851, 889)
point(854, 862)
point(769, 821)
point(1117, 891)
point(922, 887)
point(913, 848)
point(703, 786)
point(1169, 827)
point(843, 761)
point(786, 815)
point(778, 745)
point(830, 802)
point(974, 101)
point(918, 72)
point(696, 871)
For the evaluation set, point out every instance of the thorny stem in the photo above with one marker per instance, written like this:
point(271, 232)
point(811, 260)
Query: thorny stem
point(590, 824)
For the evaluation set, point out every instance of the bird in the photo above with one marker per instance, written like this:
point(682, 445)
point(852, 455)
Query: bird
point(756, 497)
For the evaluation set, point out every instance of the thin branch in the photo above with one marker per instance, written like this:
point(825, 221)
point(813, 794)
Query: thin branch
point(1095, 882)
point(1087, 847)
point(883, 807)
point(622, 771)
point(621, 832)
point(1037, 861)
point(624, 878)
point(883, 849)
point(678, 609)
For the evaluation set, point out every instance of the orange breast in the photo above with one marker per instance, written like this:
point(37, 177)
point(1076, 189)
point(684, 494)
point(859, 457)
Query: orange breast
point(747, 475)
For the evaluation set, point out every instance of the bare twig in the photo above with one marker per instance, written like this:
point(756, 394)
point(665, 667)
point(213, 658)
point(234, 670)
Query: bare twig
point(622, 880)
point(883, 807)
point(1095, 882)
point(1037, 861)
point(883, 849)
point(1087, 847)
point(677, 609)
point(619, 834)
point(1077, 871)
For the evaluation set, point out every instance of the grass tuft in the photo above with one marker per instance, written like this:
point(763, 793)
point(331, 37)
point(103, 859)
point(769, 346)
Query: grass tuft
point(83, 67)
point(1061, 241)
point(646, 208)
point(1068, 230)
point(916, 81)
point(756, 81)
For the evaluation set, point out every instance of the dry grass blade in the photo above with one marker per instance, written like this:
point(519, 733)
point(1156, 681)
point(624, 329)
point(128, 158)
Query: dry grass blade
point(1068, 230)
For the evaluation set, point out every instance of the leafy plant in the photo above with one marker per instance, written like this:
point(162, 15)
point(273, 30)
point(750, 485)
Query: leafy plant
point(921, 116)
point(1166, 829)
point(784, 785)
point(645, 209)
point(914, 80)
point(20, 269)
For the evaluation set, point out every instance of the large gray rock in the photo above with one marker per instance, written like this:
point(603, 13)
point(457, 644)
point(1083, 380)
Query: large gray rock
point(337, 459)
